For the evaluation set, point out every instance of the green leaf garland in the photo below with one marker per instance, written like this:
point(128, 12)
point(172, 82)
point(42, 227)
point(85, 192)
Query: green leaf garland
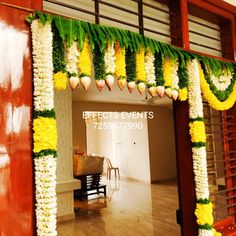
point(99, 63)
point(130, 61)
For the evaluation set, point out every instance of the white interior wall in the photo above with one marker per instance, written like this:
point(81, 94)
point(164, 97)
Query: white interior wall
point(126, 147)
point(65, 182)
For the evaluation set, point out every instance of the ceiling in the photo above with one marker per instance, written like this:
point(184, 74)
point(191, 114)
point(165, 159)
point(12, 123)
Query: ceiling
point(117, 96)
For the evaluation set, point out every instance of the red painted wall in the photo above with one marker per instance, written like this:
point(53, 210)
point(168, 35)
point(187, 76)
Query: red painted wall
point(16, 176)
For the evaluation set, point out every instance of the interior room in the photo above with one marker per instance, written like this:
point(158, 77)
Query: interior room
point(136, 133)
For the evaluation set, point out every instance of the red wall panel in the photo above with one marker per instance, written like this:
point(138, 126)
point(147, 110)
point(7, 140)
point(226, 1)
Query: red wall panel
point(16, 165)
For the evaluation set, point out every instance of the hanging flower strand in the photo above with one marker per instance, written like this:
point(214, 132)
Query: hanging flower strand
point(158, 64)
point(130, 68)
point(120, 71)
point(150, 73)
point(140, 71)
point(72, 55)
point(59, 64)
point(204, 208)
point(85, 65)
point(110, 65)
point(99, 67)
point(45, 131)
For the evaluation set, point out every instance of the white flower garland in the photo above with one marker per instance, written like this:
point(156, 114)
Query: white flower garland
point(45, 179)
point(175, 77)
point(45, 167)
point(198, 153)
point(223, 81)
point(194, 90)
point(150, 68)
point(72, 57)
point(204, 232)
point(200, 172)
point(109, 59)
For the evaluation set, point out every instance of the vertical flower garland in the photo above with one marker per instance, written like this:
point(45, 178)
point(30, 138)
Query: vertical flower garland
point(59, 64)
point(140, 71)
point(72, 55)
point(130, 61)
point(183, 80)
point(204, 210)
point(99, 67)
point(150, 72)
point(45, 131)
point(120, 70)
point(85, 64)
point(170, 68)
point(158, 63)
point(110, 65)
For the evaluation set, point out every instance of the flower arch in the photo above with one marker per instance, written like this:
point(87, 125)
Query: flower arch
point(65, 50)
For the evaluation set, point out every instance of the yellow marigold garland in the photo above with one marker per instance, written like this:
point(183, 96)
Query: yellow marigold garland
point(211, 98)
point(60, 80)
point(204, 214)
point(84, 63)
point(197, 131)
point(45, 134)
point(183, 94)
point(140, 66)
point(167, 71)
point(120, 71)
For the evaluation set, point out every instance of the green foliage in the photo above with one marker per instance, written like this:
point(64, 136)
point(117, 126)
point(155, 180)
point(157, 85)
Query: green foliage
point(45, 113)
point(158, 63)
point(198, 144)
point(196, 119)
point(45, 152)
point(221, 95)
point(182, 71)
point(71, 30)
point(205, 226)
point(99, 63)
point(130, 61)
point(58, 52)
point(203, 201)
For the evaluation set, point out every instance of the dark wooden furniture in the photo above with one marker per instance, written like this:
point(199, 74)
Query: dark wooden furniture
point(90, 184)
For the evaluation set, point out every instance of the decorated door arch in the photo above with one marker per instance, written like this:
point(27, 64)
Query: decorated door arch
point(51, 151)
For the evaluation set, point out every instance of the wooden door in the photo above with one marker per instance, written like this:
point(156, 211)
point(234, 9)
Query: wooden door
point(16, 166)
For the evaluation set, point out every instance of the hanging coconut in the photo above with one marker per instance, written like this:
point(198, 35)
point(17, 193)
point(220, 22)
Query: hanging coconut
point(85, 82)
point(74, 82)
point(141, 87)
point(152, 91)
point(175, 94)
point(121, 83)
point(109, 81)
point(100, 84)
point(131, 86)
point(168, 92)
point(160, 91)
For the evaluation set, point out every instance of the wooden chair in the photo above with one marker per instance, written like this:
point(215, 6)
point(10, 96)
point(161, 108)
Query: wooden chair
point(110, 168)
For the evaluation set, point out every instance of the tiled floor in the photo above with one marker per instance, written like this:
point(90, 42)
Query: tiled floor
point(130, 209)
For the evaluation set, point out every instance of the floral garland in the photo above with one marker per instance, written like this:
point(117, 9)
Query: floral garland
point(213, 101)
point(158, 64)
point(72, 55)
point(204, 209)
point(221, 85)
point(99, 67)
point(110, 65)
point(150, 72)
point(183, 80)
point(171, 79)
point(85, 65)
point(45, 131)
point(140, 71)
point(59, 64)
point(120, 70)
point(130, 62)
